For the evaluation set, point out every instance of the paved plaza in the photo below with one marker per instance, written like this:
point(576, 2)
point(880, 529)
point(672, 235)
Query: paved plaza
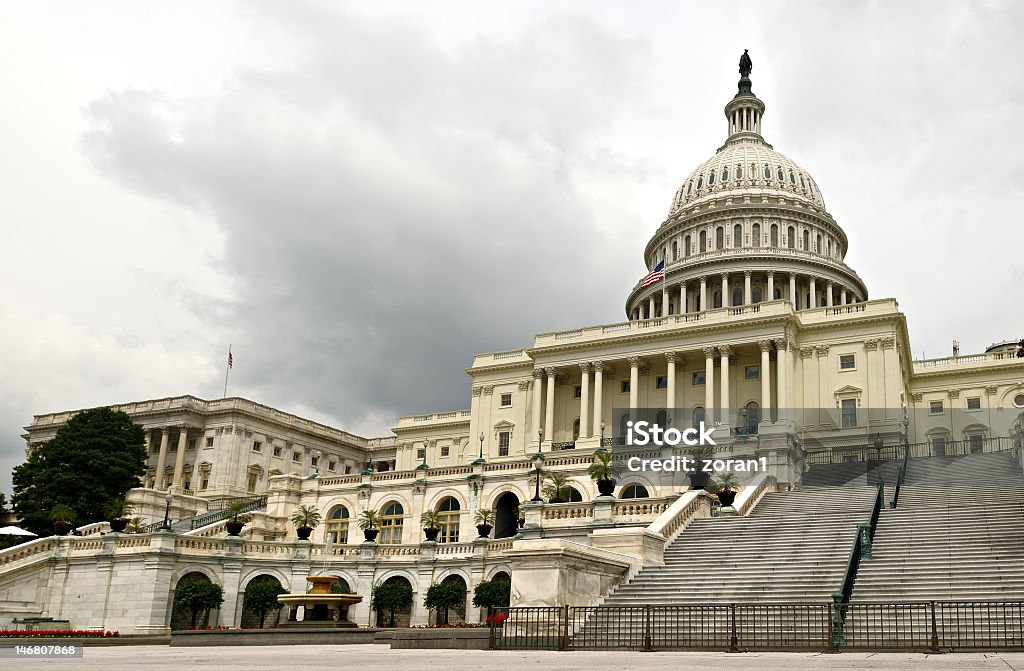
point(312, 658)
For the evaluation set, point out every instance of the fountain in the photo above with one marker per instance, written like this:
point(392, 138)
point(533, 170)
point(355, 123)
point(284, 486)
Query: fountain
point(320, 606)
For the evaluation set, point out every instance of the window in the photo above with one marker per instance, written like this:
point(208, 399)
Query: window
point(277, 451)
point(251, 485)
point(257, 446)
point(445, 450)
point(753, 416)
point(711, 178)
point(421, 453)
point(849, 406)
point(700, 182)
point(977, 442)
point(686, 246)
point(938, 446)
point(756, 295)
point(778, 173)
point(737, 235)
point(332, 466)
point(935, 407)
point(792, 178)
point(767, 172)
point(739, 172)
point(186, 484)
point(661, 382)
point(204, 483)
point(577, 391)
point(703, 241)
point(817, 245)
point(314, 461)
point(506, 400)
point(697, 416)
point(576, 428)
point(634, 492)
point(752, 373)
point(391, 524)
point(209, 441)
point(755, 235)
point(675, 250)
point(504, 440)
point(725, 174)
point(192, 445)
point(624, 387)
point(847, 362)
point(1018, 400)
point(716, 299)
point(774, 236)
point(348, 470)
point(155, 448)
point(698, 378)
point(737, 296)
point(974, 404)
point(719, 238)
point(297, 457)
point(791, 237)
point(336, 530)
point(807, 240)
point(448, 511)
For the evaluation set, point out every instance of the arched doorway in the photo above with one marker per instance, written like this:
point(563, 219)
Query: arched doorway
point(261, 588)
point(506, 515)
point(456, 614)
point(181, 618)
point(401, 614)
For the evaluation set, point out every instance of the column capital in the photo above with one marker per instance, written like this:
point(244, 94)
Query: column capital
point(538, 373)
point(822, 350)
point(771, 273)
point(524, 385)
point(709, 352)
point(871, 344)
point(703, 278)
point(747, 273)
point(598, 366)
point(585, 367)
point(488, 389)
point(551, 371)
point(806, 352)
point(725, 351)
point(670, 357)
point(781, 344)
point(888, 342)
point(476, 391)
point(766, 345)
point(634, 361)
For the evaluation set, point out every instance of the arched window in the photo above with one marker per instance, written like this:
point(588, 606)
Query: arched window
point(700, 182)
point(716, 299)
point(827, 248)
point(661, 419)
point(448, 514)
point(391, 521)
point(739, 172)
point(802, 185)
point(574, 495)
point(756, 294)
point(774, 236)
point(737, 235)
point(778, 173)
point(792, 178)
point(725, 174)
point(817, 245)
point(711, 178)
point(737, 296)
point(703, 241)
point(634, 492)
point(689, 188)
point(755, 235)
point(697, 416)
point(778, 293)
point(675, 250)
point(686, 246)
point(336, 530)
point(767, 172)
point(807, 240)
point(576, 428)
point(719, 238)
point(791, 237)
point(752, 416)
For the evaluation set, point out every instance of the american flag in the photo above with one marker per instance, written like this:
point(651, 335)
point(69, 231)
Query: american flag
point(655, 275)
point(231, 359)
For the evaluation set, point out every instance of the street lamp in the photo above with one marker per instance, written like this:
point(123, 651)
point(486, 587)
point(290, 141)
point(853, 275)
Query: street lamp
point(878, 447)
point(600, 444)
point(166, 526)
point(537, 461)
point(480, 460)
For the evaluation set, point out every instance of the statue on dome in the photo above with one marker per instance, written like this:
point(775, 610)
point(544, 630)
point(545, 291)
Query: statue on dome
point(746, 65)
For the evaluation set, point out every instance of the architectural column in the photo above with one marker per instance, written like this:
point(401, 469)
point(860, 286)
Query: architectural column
point(598, 389)
point(766, 381)
point(549, 412)
point(746, 288)
point(664, 299)
point(161, 460)
point(585, 401)
point(842, 296)
point(148, 444)
point(651, 314)
point(792, 292)
point(723, 352)
point(179, 458)
point(670, 401)
point(538, 400)
point(634, 385)
point(703, 292)
point(814, 293)
point(828, 295)
point(771, 286)
point(709, 385)
point(782, 368)
point(725, 290)
point(682, 298)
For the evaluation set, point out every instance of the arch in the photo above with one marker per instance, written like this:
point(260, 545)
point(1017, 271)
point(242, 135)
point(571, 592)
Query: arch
point(716, 299)
point(698, 415)
point(252, 620)
point(261, 571)
point(791, 237)
point(401, 616)
point(703, 238)
point(501, 574)
point(634, 491)
point(817, 243)
point(719, 238)
point(336, 524)
point(576, 428)
point(574, 494)
point(181, 618)
point(449, 492)
point(751, 416)
point(686, 246)
point(755, 295)
point(392, 520)
point(938, 441)
point(455, 614)
point(737, 235)
point(773, 236)
point(506, 515)
point(449, 511)
point(755, 235)
point(675, 250)
point(737, 296)
point(807, 240)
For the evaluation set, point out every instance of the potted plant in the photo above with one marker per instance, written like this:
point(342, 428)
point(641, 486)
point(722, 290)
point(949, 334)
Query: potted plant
point(369, 520)
point(699, 479)
point(119, 514)
point(63, 517)
point(431, 520)
point(726, 488)
point(603, 472)
point(305, 519)
point(557, 490)
point(236, 518)
point(484, 519)
point(136, 526)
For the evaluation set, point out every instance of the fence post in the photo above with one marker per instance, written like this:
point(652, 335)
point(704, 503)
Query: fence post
point(935, 630)
point(830, 644)
point(838, 636)
point(563, 644)
point(865, 540)
point(648, 639)
point(490, 627)
point(734, 641)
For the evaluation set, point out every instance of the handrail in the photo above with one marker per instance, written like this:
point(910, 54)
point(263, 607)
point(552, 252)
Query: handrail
point(905, 451)
point(672, 522)
point(250, 504)
point(901, 477)
point(861, 549)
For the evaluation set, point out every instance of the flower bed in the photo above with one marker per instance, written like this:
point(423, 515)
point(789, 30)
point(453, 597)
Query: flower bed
point(56, 633)
point(457, 625)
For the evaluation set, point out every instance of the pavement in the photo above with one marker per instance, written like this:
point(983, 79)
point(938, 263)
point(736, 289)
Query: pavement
point(369, 656)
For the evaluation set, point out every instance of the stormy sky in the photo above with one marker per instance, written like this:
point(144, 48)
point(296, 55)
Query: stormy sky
point(359, 196)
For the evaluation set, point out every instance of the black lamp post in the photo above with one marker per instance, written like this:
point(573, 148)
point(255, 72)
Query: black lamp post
point(878, 447)
point(536, 472)
point(480, 460)
point(166, 526)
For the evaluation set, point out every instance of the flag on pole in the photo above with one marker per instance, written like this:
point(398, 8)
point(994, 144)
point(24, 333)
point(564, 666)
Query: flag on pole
point(654, 276)
point(231, 359)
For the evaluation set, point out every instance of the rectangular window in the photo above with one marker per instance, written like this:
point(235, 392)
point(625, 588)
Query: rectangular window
point(504, 439)
point(698, 378)
point(204, 483)
point(935, 407)
point(847, 362)
point(974, 404)
point(939, 446)
point(445, 450)
point(297, 457)
point(192, 445)
point(332, 466)
point(506, 400)
point(977, 441)
point(849, 412)
point(251, 487)
point(624, 388)
point(186, 485)
point(661, 382)
point(209, 441)
point(421, 453)
point(348, 469)
point(277, 451)
point(577, 392)
point(257, 446)
point(752, 373)
point(314, 461)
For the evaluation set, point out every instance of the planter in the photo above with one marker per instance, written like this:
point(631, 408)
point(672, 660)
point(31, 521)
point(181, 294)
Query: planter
point(234, 528)
point(62, 528)
point(431, 533)
point(484, 530)
point(606, 487)
point(557, 500)
point(700, 480)
point(119, 524)
point(303, 532)
point(726, 497)
point(370, 534)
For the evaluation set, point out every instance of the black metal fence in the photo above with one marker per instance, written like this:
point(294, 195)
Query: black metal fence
point(920, 626)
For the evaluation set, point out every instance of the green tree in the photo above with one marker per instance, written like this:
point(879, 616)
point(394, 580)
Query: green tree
point(197, 596)
point(391, 597)
point(261, 597)
point(492, 593)
point(96, 457)
point(441, 596)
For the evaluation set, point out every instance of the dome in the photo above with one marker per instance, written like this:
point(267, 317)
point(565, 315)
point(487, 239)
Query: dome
point(747, 166)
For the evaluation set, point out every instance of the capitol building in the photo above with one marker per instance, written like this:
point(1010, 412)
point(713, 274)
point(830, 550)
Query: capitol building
point(748, 319)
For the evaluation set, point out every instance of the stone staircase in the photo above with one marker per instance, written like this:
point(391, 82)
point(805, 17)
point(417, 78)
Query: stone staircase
point(858, 473)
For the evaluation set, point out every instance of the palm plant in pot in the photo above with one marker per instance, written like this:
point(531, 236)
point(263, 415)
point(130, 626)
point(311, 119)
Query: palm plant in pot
point(236, 517)
point(431, 521)
point(699, 478)
point(369, 522)
point(603, 472)
point(119, 514)
point(305, 519)
point(484, 519)
point(63, 517)
point(557, 490)
point(726, 488)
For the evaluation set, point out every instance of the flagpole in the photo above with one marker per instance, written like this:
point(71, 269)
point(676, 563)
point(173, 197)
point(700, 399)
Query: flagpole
point(227, 369)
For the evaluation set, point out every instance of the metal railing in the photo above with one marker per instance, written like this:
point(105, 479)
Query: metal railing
point(868, 453)
point(919, 626)
point(249, 504)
